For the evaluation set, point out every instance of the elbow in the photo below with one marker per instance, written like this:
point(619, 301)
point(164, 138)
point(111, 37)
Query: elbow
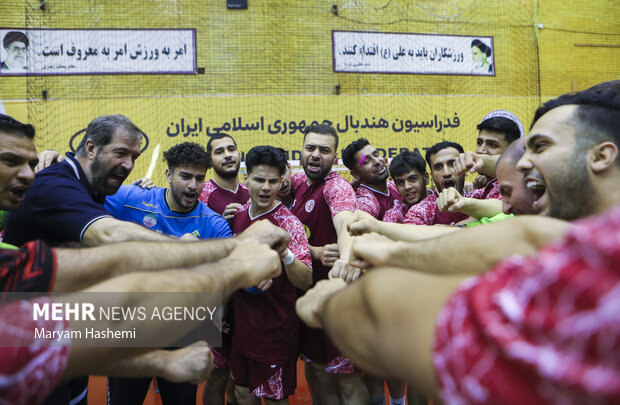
point(98, 238)
point(303, 281)
point(306, 281)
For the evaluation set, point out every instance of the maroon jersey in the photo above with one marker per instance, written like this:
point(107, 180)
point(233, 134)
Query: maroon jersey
point(426, 212)
point(315, 205)
point(490, 191)
point(217, 198)
point(375, 202)
point(397, 213)
point(266, 325)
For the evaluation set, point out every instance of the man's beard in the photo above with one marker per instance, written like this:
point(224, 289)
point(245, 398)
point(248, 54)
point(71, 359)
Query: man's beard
point(320, 175)
point(99, 177)
point(227, 174)
point(16, 63)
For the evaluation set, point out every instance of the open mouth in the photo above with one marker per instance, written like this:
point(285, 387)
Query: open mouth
point(448, 183)
point(539, 190)
point(314, 167)
point(115, 179)
point(18, 193)
point(191, 197)
point(380, 170)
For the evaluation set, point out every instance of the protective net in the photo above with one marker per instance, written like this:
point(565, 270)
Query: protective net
point(265, 73)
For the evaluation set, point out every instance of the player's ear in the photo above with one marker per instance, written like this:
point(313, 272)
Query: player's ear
point(168, 175)
point(90, 148)
point(426, 179)
point(245, 179)
point(602, 156)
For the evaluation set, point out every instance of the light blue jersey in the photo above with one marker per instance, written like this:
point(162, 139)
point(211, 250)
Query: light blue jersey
point(150, 209)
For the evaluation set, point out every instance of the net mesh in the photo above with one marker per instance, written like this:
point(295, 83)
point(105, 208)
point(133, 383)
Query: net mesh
point(274, 62)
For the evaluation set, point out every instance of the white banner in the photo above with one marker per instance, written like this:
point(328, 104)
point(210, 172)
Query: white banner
point(110, 51)
point(379, 52)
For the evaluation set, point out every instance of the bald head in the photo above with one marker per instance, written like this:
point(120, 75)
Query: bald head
point(517, 198)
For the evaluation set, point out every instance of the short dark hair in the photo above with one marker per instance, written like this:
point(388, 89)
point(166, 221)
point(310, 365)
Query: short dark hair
point(101, 129)
point(186, 154)
point(504, 125)
point(322, 129)
point(11, 126)
point(283, 152)
point(215, 137)
point(597, 114)
point(482, 46)
point(440, 146)
point(348, 155)
point(265, 155)
point(13, 36)
point(406, 161)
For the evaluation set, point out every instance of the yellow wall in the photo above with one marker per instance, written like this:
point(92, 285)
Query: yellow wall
point(279, 52)
point(284, 47)
point(579, 44)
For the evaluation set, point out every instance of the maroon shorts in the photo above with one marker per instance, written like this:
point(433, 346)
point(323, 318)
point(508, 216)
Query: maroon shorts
point(271, 381)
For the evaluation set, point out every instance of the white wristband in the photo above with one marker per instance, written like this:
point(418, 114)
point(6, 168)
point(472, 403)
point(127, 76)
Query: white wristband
point(289, 258)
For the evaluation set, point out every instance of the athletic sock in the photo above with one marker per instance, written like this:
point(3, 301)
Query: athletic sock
point(398, 401)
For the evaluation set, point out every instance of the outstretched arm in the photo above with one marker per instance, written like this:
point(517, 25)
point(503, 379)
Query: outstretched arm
point(450, 200)
point(223, 277)
point(80, 268)
point(470, 251)
point(365, 223)
point(375, 335)
point(109, 230)
point(188, 364)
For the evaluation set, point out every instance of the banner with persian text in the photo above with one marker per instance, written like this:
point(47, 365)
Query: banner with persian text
point(390, 123)
point(383, 52)
point(97, 51)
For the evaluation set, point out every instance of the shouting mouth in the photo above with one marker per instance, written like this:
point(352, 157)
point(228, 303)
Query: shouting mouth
point(314, 167)
point(18, 193)
point(539, 190)
point(448, 183)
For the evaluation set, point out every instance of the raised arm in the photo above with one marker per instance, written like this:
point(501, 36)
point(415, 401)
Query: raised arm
point(472, 162)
